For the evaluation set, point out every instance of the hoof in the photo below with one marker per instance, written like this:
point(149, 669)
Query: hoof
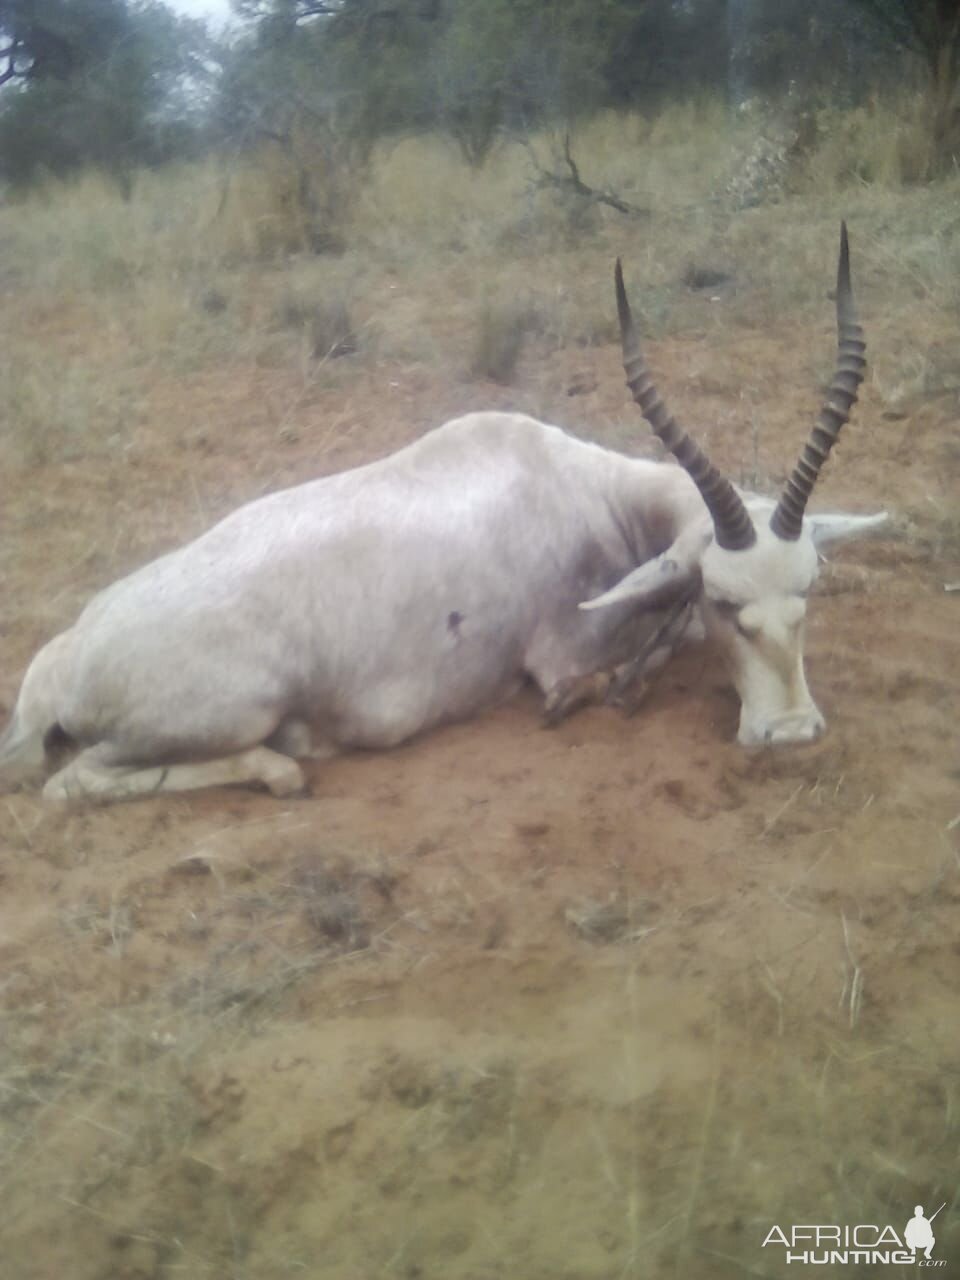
point(55, 792)
point(569, 695)
point(286, 779)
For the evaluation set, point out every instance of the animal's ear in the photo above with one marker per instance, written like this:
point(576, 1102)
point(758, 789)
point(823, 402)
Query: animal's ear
point(661, 580)
point(827, 529)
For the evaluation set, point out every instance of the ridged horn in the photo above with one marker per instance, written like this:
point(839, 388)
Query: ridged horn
point(787, 520)
point(732, 526)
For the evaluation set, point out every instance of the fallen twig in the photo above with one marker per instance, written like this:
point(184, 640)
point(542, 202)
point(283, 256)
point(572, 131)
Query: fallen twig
point(573, 182)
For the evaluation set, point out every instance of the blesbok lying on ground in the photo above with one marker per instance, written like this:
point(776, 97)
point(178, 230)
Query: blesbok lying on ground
point(363, 608)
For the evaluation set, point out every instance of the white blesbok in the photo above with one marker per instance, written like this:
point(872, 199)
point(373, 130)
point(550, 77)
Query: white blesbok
point(365, 607)
point(753, 562)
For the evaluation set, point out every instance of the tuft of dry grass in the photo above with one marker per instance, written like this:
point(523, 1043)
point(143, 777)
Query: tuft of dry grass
point(501, 327)
point(325, 324)
point(878, 145)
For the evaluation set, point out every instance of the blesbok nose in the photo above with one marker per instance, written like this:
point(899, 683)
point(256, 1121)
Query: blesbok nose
point(805, 726)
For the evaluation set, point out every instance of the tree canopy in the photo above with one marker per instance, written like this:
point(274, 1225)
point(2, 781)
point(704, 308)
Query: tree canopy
point(96, 82)
point(121, 82)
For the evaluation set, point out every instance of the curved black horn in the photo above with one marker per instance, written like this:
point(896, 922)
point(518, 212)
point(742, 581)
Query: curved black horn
point(732, 526)
point(787, 521)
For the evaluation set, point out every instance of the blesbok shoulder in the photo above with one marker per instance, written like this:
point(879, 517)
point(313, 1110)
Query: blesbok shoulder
point(366, 607)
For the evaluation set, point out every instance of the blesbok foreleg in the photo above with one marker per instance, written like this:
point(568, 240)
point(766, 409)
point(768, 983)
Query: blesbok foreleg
point(90, 775)
point(572, 694)
point(624, 681)
point(631, 681)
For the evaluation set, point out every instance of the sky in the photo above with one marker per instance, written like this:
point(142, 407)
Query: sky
point(216, 12)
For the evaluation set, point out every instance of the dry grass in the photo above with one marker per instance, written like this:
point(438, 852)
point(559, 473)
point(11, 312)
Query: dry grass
point(871, 145)
point(501, 328)
point(193, 271)
point(133, 1071)
point(232, 1118)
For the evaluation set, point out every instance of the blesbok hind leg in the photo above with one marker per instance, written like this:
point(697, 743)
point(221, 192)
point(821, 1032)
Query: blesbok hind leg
point(90, 775)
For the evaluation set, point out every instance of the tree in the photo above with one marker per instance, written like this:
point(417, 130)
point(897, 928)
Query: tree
point(51, 39)
point(108, 98)
point(472, 69)
point(282, 92)
point(931, 30)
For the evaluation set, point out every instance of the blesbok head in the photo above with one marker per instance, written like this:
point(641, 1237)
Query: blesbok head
point(752, 561)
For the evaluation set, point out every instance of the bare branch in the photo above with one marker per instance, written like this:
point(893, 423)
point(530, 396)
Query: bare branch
point(574, 171)
point(9, 55)
point(573, 182)
point(317, 9)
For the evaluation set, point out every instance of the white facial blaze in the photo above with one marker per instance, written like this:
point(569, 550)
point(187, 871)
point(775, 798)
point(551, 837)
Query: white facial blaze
point(754, 607)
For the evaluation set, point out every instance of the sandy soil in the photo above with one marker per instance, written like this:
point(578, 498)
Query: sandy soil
point(605, 1001)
